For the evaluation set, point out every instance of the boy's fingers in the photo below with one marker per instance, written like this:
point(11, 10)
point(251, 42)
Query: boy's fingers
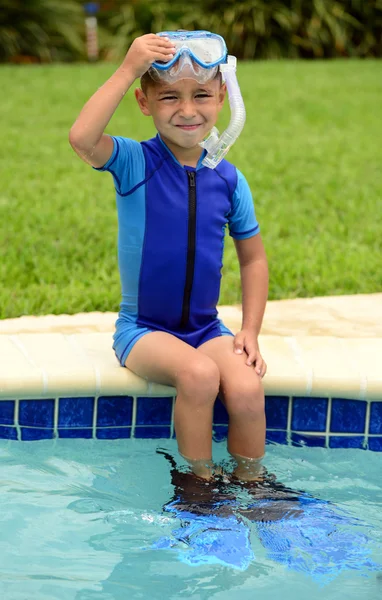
point(261, 367)
point(160, 56)
point(161, 45)
point(251, 357)
point(238, 344)
point(259, 364)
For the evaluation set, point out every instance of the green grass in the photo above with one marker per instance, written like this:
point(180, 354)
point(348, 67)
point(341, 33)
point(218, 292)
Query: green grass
point(311, 151)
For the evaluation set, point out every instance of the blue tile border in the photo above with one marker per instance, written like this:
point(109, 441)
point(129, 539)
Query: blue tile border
point(375, 444)
point(300, 439)
point(151, 432)
point(308, 415)
point(375, 425)
point(276, 412)
point(75, 432)
point(75, 412)
point(115, 411)
point(33, 434)
point(298, 421)
point(154, 411)
point(8, 433)
point(347, 441)
point(113, 433)
point(7, 412)
point(348, 416)
point(36, 413)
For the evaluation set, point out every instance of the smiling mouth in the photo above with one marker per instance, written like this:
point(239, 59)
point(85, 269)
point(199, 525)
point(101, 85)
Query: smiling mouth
point(189, 127)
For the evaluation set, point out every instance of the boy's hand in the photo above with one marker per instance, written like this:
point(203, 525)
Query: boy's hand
point(145, 50)
point(246, 341)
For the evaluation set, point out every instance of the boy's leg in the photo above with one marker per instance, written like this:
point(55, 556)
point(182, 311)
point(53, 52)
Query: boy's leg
point(242, 393)
point(162, 358)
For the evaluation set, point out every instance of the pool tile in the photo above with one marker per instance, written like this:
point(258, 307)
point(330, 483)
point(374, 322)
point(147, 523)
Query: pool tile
point(220, 413)
point(375, 444)
point(348, 416)
point(36, 412)
point(220, 433)
point(154, 411)
point(7, 412)
point(8, 433)
point(375, 417)
point(152, 432)
point(32, 434)
point(354, 441)
point(309, 414)
point(75, 412)
point(115, 411)
point(113, 433)
point(276, 412)
point(277, 437)
point(75, 433)
point(308, 440)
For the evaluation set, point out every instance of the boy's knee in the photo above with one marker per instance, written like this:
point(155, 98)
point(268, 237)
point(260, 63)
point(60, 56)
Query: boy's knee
point(199, 378)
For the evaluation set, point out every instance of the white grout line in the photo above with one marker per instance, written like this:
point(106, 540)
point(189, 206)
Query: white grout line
point(134, 416)
point(95, 416)
point(16, 416)
point(367, 423)
point(172, 426)
point(289, 421)
point(55, 418)
point(328, 423)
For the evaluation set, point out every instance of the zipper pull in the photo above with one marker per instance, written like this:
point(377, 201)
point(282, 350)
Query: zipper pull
point(191, 178)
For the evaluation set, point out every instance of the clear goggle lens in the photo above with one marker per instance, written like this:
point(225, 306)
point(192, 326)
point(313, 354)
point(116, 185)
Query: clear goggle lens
point(184, 68)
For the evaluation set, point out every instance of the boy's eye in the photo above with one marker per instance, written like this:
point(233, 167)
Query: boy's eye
point(203, 95)
point(168, 98)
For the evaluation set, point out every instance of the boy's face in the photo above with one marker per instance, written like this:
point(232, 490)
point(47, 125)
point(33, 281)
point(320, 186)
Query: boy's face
point(183, 112)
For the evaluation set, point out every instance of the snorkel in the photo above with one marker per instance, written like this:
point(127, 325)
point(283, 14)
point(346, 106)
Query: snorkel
point(218, 146)
point(199, 55)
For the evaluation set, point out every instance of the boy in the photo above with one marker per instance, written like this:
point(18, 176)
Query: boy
point(172, 212)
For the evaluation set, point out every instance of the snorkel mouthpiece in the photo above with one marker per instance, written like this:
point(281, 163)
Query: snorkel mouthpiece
point(217, 147)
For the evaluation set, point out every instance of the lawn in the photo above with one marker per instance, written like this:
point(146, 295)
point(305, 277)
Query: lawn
point(311, 151)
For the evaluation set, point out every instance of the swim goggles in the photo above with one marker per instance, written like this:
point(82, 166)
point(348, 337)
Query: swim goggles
point(197, 56)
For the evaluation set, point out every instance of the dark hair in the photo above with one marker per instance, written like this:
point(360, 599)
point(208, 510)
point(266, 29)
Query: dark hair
point(147, 81)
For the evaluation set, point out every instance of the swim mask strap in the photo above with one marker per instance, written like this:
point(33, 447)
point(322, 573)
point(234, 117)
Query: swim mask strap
point(218, 146)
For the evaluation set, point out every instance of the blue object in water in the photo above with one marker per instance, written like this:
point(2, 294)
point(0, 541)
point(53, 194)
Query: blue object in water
point(318, 541)
point(210, 539)
point(301, 532)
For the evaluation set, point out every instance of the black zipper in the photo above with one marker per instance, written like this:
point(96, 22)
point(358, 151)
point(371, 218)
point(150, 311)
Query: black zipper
point(190, 247)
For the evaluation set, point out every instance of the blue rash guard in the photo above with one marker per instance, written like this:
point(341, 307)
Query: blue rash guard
point(171, 227)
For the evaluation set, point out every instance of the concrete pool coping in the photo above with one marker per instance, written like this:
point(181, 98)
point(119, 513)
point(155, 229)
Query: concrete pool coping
point(330, 347)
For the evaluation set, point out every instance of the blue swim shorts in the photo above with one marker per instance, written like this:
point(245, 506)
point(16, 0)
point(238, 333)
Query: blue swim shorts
point(128, 332)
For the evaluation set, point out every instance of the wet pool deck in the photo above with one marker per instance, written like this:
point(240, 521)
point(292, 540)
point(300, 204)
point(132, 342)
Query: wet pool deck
point(329, 347)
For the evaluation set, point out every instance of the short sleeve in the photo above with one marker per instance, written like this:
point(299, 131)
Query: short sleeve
point(242, 222)
point(126, 164)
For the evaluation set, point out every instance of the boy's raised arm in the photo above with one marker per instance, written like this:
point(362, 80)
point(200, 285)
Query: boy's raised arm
point(87, 136)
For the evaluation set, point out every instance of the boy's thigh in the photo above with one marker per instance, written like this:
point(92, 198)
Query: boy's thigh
point(160, 356)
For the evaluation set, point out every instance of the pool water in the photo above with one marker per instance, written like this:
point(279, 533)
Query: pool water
point(84, 520)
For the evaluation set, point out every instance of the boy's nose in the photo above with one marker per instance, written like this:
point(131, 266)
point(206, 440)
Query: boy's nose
point(187, 109)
